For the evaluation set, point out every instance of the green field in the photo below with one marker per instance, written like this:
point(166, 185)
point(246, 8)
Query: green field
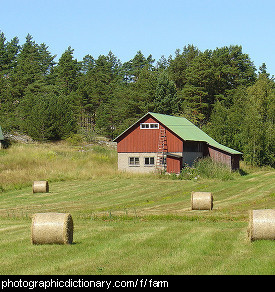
point(128, 224)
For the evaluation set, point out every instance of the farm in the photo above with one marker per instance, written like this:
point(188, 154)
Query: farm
point(125, 223)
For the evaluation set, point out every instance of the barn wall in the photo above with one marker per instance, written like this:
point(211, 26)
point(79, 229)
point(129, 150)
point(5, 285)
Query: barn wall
point(123, 162)
point(174, 143)
point(220, 156)
point(235, 162)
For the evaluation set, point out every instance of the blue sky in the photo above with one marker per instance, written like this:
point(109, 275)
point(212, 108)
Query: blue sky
point(155, 27)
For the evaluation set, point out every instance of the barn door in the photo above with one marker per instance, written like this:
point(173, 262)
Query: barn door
point(174, 164)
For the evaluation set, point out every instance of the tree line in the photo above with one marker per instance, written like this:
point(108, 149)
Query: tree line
point(219, 90)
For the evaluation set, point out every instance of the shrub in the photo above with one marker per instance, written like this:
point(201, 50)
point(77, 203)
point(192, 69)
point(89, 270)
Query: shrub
point(211, 169)
point(75, 139)
point(207, 168)
point(189, 172)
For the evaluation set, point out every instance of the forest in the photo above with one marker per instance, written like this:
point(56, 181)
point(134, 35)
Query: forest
point(220, 91)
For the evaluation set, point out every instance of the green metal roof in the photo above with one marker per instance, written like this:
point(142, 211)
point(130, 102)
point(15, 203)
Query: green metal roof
point(186, 131)
point(1, 134)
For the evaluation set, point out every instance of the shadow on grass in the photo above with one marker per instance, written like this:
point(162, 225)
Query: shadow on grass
point(242, 172)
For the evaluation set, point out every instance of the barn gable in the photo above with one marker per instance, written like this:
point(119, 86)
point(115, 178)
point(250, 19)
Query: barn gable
point(138, 139)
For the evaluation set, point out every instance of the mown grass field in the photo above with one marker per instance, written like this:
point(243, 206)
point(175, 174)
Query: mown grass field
point(128, 224)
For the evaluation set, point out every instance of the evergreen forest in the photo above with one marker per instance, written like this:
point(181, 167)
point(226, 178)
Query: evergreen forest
point(220, 91)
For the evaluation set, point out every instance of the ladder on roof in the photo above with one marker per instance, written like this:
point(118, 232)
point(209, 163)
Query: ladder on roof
point(162, 151)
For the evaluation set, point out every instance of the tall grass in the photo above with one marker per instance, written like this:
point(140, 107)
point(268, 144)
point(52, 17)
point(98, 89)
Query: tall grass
point(21, 164)
point(207, 168)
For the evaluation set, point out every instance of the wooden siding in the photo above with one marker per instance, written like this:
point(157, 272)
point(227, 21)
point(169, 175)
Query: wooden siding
point(174, 164)
point(235, 161)
point(146, 140)
point(174, 143)
point(231, 160)
point(219, 156)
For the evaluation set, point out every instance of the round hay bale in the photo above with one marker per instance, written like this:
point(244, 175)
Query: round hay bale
point(40, 187)
point(201, 201)
point(261, 224)
point(52, 228)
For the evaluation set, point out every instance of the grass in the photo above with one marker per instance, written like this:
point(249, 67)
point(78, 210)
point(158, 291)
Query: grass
point(22, 164)
point(125, 223)
point(138, 247)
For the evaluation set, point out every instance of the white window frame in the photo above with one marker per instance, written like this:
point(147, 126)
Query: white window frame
point(149, 126)
point(136, 161)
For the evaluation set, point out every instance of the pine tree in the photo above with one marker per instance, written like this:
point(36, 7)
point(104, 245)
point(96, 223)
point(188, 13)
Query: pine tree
point(165, 101)
point(29, 67)
point(8, 54)
point(134, 67)
point(47, 114)
point(178, 65)
point(67, 71)
point(232, 69)
point(87, 64)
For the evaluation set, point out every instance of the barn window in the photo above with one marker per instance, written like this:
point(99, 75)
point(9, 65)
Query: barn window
point(144, 126)
point(134, 161)
point(149, 161)
point(149, 125)
point(154, 126)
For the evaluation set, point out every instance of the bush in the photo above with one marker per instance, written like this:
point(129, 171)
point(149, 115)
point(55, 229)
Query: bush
point(75, 139)
point(210, 169)
point(207, 168)
point(189, 172)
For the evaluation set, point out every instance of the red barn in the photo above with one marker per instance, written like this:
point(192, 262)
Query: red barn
point(167, 143)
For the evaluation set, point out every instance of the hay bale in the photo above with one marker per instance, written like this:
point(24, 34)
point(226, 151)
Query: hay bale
point(50, 228)
point(201, 201)
point(40, 187)
point(261, 224)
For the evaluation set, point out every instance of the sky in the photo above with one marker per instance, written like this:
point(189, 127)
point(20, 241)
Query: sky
point(156, 27)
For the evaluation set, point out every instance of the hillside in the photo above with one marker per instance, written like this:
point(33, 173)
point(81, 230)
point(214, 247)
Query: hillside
point(128, 224)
